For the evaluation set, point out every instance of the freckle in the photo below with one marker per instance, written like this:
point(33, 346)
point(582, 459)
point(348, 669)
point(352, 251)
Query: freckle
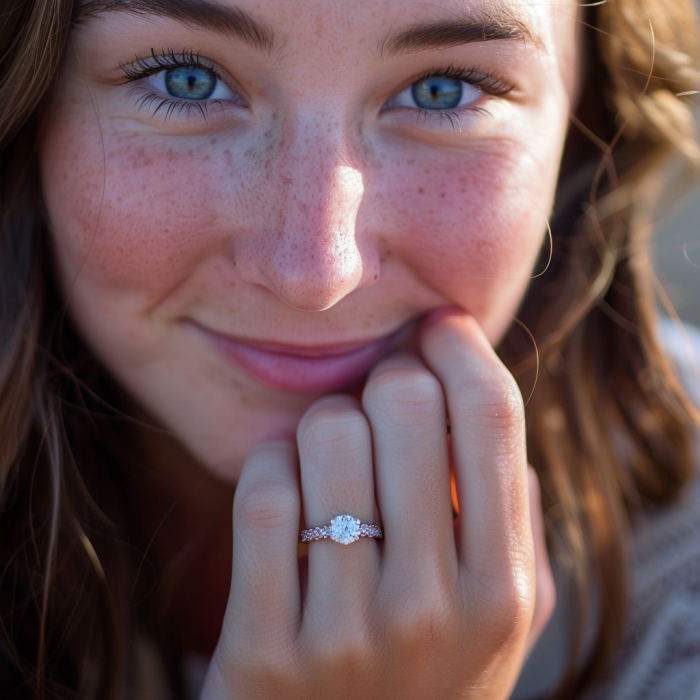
point(421, 190)
point(206, 157)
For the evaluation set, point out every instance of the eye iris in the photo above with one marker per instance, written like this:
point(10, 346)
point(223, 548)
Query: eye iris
point(437, 93)
point(190, 82)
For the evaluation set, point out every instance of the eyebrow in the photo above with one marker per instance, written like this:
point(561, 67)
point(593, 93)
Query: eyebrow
point(501, 23)
point(231, 21)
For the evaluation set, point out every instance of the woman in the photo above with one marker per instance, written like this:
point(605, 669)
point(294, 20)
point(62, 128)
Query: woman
point(255, 262)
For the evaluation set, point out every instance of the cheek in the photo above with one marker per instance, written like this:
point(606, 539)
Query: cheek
point(470, 223)
point(132, 215)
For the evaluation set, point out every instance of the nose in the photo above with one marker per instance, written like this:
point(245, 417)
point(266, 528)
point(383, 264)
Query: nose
point(311, 254)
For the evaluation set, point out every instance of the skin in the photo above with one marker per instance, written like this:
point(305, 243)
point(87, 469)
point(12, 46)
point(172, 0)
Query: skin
point(310, 213)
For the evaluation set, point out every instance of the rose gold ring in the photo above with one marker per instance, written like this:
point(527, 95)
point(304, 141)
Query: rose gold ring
point(343, 529)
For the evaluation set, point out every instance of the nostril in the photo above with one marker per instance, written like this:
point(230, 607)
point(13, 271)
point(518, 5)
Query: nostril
point(314, 292)
point(313, 273)
point(306, 272)
point(314, 254)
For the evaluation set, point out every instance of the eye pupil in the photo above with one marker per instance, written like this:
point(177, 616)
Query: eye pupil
point(190, 82)
point(437, 93)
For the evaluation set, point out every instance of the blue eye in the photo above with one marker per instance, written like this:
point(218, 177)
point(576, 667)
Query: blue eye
point(190, 83)
point(437, 93)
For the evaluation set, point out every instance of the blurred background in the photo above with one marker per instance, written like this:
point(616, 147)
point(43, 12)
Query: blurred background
point(678, 273)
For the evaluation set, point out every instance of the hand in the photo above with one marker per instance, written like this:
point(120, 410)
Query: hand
point(438, 608)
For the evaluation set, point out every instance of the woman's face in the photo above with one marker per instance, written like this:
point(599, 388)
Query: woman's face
point(251, 204)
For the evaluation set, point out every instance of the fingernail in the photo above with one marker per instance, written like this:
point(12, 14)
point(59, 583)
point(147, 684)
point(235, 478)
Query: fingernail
point(438, 314)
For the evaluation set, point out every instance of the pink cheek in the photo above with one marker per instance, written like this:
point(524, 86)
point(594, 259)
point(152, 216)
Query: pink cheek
point(145, 220)
point(463, 222)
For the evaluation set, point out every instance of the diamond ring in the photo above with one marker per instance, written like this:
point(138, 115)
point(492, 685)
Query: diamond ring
point(343, 529)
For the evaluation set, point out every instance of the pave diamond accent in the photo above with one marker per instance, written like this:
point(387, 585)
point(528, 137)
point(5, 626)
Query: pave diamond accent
point(345, 529)
point(370, 530)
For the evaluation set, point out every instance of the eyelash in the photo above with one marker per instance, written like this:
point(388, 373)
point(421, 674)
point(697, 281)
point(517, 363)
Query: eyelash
point(488, 84)
point(142, 68)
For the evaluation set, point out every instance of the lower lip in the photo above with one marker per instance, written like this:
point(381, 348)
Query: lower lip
point(300, 374)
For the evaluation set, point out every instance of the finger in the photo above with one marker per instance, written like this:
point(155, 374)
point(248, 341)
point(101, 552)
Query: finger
point(488, 445)
point(545, 591)
point(265, 603)
point(406, 409)
point(337, 478)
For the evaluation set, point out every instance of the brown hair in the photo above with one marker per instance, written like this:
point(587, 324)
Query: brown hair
point(67, 616)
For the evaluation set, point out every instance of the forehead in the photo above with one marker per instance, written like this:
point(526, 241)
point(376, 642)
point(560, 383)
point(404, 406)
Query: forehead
point(398, 25)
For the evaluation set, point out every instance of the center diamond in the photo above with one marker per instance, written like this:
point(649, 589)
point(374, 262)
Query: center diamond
point(345, 529)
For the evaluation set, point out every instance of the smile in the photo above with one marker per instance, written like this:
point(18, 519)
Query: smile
point(304, 369)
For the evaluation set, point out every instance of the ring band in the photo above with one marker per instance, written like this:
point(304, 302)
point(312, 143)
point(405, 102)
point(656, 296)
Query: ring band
point(343, 529)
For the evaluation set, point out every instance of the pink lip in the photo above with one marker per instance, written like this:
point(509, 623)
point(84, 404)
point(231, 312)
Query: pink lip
point(302, 369)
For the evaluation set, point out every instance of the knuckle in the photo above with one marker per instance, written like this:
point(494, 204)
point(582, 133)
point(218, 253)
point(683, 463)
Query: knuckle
point(434, 625)
point(351, 653)
point(266, 505)
point(336, 430)
point(507, 607)
point(408, 397)
point(491, 404)
point(272, 669)
point(428, 621)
